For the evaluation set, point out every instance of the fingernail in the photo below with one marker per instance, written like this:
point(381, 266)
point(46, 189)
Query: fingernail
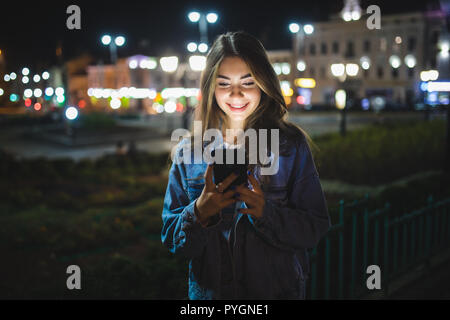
point(236, 195)
point(233, 187)
point(249, 172)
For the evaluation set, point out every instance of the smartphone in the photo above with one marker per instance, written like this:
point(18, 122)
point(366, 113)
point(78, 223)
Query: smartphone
point(222, 171)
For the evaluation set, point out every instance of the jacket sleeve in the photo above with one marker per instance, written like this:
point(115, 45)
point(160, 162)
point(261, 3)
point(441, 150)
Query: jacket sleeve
point(305, 220)
point(181, 232)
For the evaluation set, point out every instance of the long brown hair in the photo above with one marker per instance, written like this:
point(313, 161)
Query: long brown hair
point(272, 109)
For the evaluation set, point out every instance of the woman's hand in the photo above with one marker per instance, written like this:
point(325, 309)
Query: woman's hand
point(212, 199)
point(254, 199)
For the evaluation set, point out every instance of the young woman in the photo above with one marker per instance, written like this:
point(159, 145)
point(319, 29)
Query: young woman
point(249, 242)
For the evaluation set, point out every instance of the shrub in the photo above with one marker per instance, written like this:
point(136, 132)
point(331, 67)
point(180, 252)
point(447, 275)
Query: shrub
point(379, 154)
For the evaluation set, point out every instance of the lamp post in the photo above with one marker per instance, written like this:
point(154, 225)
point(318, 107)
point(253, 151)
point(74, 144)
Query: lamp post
point(341, 72)
point(351, 10)
point(118, 42)
point(338, 71)
point(203, 21)
point(426, 77)
point(169, 65)
point(193, 47)
point(298, 31)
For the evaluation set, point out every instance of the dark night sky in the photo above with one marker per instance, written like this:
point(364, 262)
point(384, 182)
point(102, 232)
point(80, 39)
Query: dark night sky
point(30, 31)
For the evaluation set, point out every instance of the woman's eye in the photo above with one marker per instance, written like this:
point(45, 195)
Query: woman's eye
point(223, 84)
point(249, 84)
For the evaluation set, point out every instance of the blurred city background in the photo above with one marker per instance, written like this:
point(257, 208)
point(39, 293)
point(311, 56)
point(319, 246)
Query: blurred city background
point(86, 117)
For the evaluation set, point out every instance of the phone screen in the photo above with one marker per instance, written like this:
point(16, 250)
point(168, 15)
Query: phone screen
point(229, 165)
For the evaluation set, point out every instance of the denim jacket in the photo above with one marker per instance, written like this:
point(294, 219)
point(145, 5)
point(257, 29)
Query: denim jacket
point(264, 258)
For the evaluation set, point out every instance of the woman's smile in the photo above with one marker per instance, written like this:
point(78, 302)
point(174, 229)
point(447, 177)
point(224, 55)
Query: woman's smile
point(238, 107)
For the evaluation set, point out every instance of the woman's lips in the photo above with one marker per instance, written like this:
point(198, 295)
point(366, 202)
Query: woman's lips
point(238, 109)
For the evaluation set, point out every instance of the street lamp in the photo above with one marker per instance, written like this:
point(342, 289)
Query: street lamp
point(201, 47)
point(298, 31)
point(341, 71)
point(197, 63)
point(192, 47)
point(427, 76)
point(169, 64)
point(351, 10)
point(203, 21)
point(118, 42)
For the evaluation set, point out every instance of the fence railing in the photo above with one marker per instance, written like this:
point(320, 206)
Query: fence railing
point(396, 242)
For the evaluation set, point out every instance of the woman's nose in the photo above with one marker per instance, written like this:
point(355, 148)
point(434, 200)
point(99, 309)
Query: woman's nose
point(236, 91)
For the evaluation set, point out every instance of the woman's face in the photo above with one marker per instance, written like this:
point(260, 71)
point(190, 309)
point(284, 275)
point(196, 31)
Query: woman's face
point(236, 91)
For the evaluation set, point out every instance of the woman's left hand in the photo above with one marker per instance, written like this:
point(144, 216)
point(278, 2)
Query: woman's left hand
point(254, 199)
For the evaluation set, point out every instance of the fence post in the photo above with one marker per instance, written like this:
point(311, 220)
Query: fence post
point(327, 268)
point(353, 261)
point(413, 236)
point(386, 251)
point(366, 236)
point(341, 249)
point(395, 249)
point(405, 244)
point(377, 237)
point(429, 216)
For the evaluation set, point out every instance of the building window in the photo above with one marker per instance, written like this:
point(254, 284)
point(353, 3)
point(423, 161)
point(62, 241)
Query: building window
point(312, 49)
point(433, 61)
point(434, 37)
point(380, 72)
point(312, 72)
point(350, 53)
point(411, 44)
point(410, 73)
point(366, 73)
point(335, 47)
point(302, 50)
point(383, 44)
point(322, 72)
point(394, 73)
point(366, 46)
point(323, 48)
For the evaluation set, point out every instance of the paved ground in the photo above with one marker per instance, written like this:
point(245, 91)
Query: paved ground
point(34, 144)
point(433, 287)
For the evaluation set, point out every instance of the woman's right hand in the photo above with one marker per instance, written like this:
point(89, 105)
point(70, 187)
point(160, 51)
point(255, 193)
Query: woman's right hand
point(212, 199)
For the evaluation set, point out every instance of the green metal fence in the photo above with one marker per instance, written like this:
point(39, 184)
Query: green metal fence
point(396, 242)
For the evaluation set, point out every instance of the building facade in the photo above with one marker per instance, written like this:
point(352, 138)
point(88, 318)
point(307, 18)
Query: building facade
point(385, 63)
